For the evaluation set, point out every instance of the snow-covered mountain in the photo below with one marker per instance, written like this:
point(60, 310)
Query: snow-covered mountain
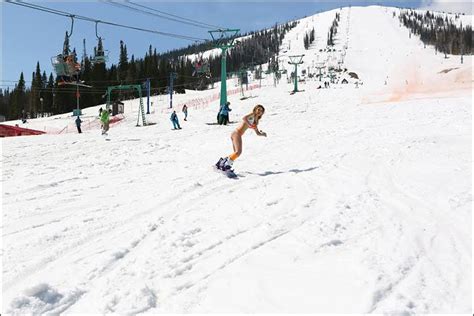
point(358, 201)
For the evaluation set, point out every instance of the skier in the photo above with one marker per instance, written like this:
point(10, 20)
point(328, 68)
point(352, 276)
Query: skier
point(250, 120)
point(105, 119)
point(23, 116)
point(174, 120)
point(185, 111)
point(223, 116)
point(78, 124)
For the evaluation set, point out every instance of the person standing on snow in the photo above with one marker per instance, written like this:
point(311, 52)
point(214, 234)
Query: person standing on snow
point(78, 124)
point(174, 120)
point(185, 111)
point(223, 116)
point(105, 120)
point(248, 121)
point(100, 115)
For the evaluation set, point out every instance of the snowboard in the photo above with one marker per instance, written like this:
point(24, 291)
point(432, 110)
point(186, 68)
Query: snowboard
point(228, 173)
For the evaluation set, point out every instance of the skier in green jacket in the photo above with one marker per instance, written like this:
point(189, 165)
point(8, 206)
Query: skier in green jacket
point(105, 119)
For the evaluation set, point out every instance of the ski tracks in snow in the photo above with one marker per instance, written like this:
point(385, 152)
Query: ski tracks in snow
point(406, 273)
point(186, 250)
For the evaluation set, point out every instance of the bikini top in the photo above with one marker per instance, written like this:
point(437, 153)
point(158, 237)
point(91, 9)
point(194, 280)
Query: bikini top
point(251, 120)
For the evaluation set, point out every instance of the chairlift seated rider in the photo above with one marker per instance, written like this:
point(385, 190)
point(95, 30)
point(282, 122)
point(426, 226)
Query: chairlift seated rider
point(197, 67)
point(66, 68)
point(73, 66)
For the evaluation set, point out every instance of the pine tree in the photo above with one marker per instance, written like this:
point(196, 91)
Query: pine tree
point(100, 47)
point(75, 55)
point(123, 62)
point(132, 71)
point(44, 79)
point(260, 47)
point(18, 99)
point(48, 96)
point(3, 103)
point(66, 49)
point(32, 99)
point(36, 88)
point(440, 32)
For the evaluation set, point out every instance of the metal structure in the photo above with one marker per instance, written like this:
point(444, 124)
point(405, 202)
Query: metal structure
point(173, 76)
point(320, 67)
point(202, 72)
point(224, 39)
point(148, 88)
point(101, 56)
point(129, 87)
point(64, 64)
point(296, 60)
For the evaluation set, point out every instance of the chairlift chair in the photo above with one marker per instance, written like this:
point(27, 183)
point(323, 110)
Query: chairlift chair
point(66, 68)
point(201, 66)
point(65, 65)
point(101, 56)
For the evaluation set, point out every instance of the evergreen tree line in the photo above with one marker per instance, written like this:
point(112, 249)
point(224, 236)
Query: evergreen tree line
point(443, 33)
point(333, 30)
point(45, 97)
point(308, 38)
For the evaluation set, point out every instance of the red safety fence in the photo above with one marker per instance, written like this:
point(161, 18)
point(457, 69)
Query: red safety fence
point(10, 131)
point(87, 124)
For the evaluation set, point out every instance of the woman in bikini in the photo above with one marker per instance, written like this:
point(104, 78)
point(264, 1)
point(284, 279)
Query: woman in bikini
point(248, 121)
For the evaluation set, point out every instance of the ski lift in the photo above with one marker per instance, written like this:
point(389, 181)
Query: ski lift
point(201, 67)
point(202, 73)
point(221, 39)
point(101, 56)
point(65, 65)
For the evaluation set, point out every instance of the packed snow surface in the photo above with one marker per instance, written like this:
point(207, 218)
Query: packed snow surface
point(358, 201)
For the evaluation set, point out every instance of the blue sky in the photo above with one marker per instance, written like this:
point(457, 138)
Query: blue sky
point(29, 36)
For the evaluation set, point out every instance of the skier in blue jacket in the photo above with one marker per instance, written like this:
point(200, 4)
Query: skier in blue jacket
point(174, 120)
point(223, 116)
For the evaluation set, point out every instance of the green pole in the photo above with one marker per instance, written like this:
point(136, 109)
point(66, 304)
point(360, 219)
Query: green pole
point(223, 43)
point(296, 78)
point(142, 110)
point(296, 60)
point(223, 76)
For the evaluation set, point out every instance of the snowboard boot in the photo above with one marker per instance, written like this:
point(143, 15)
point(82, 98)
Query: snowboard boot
point(219, 164)
point(227, 164)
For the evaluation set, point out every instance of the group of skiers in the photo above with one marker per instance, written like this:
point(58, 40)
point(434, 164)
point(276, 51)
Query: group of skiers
point(104, 116)
point(174, 117)
point(250, 120)
point(222, 115)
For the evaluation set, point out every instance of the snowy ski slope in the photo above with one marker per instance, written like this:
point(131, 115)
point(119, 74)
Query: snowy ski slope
point(358, 201)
